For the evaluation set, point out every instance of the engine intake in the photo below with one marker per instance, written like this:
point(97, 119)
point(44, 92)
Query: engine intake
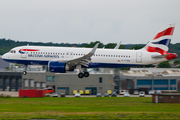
point(59, 67)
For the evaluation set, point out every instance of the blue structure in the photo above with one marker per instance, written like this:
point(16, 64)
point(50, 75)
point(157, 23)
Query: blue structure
point(157, 84)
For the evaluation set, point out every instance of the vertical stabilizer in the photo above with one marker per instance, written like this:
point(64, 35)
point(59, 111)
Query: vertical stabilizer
point(160, 43)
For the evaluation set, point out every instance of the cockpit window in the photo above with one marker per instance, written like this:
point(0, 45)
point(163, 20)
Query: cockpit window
point(12, 51)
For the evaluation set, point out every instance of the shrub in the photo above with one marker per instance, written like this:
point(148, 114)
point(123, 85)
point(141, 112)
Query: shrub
point(47, 96)
point(2, 96)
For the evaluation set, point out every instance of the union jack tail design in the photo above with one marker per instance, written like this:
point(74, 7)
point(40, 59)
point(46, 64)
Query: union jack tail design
point(160, 43)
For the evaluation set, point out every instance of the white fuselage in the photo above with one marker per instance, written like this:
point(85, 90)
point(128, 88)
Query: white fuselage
point(107, 58)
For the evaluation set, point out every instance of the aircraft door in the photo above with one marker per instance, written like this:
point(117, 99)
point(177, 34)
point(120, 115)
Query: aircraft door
point(23, 53)
point(139, 57)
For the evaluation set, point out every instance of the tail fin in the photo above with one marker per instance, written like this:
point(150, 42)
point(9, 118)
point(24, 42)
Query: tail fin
point(160, 43)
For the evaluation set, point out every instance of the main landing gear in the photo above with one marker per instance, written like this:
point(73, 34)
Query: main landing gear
point(85, 74)
point(24, 72)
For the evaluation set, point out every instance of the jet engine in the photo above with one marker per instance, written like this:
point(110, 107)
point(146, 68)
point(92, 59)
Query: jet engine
point(57, 66)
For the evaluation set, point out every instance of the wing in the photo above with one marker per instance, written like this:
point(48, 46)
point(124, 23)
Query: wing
point(82, 60)
point(117, 46)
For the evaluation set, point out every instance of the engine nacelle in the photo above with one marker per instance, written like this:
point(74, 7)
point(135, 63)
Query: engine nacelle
point(59, 67)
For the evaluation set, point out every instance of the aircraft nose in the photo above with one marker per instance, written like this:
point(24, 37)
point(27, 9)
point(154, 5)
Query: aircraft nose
point(4, 56)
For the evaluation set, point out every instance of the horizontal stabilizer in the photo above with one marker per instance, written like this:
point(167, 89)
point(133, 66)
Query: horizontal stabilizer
point(159, 56)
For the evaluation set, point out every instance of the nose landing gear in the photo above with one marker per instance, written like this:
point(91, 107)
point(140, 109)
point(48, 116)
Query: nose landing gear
point(24, 72)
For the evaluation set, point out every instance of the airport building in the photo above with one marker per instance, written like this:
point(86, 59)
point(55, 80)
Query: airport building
point(68, 82)
point(61, 82)
point(10, 81)
point(156, 79)
point(150, 78)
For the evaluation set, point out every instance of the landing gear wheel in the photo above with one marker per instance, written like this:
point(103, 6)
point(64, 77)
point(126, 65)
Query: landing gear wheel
point(80, 75)
point(86, 74)
point(24, 72)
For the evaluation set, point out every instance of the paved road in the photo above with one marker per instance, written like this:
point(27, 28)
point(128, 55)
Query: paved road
point(103, 96)
point(13, 94)
point(16, 94)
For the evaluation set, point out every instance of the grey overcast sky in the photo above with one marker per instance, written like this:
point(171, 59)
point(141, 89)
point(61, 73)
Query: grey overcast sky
point(84, 21)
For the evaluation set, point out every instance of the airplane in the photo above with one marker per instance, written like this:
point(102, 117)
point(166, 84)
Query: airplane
point(63, 59)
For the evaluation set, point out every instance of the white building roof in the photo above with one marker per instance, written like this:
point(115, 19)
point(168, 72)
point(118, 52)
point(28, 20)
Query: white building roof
point(151, 72)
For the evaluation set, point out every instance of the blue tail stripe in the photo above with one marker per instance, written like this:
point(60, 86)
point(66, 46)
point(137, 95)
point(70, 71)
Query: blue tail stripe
point(163, 42)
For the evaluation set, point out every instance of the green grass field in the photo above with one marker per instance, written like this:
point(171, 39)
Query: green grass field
point(87, 108)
